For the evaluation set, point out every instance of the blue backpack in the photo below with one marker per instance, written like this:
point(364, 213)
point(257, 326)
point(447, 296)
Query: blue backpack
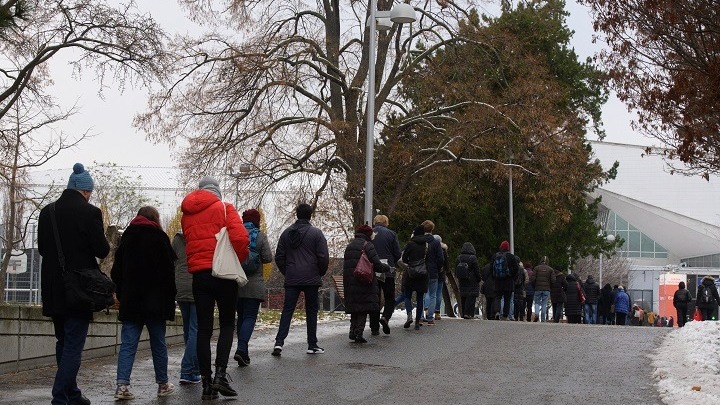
point(252, 264)
point(500, 266)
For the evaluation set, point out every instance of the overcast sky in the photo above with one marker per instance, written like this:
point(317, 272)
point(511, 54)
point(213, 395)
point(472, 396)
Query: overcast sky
point(116, 141)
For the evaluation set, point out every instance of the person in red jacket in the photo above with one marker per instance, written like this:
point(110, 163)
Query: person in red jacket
point(204, 214)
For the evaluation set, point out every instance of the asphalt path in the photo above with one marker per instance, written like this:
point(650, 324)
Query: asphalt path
point(454, 362)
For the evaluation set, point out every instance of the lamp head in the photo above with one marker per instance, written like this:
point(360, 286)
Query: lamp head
point(403, 13)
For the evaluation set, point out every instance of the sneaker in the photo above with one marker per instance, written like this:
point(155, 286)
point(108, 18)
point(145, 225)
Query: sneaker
point(385, 326)
point(437, 315)
point(165, 389)
point(375, 332)
point(319, 350)
point(408, 323)
point(123, 392)
point(242, 358)
point(190, 379)
point(431, 322)
point(358, 339)
point(277, 350)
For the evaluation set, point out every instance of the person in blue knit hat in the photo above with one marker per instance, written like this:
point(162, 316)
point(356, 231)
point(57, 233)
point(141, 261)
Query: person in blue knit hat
point(81, 230)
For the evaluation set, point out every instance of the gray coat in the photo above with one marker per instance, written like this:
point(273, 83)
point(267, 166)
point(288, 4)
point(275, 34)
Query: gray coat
point(255, 287)
point(302, 254)
point(183, 279)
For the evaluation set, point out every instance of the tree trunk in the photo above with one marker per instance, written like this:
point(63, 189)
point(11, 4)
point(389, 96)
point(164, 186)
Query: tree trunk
point(446, 295)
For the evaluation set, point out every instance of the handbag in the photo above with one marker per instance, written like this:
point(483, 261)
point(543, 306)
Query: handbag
point(363, 271)
point(417, 269)
point(86, 289)
point(225, 264)
point(581, 294)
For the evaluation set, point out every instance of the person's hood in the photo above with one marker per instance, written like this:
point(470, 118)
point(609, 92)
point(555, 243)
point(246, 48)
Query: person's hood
point(570, 277)
point(468, 249)
point(297, 231)
point(362, 236)
point(419, 239)
point(590, 281)
point(198, 201)
point(708, 280)
point(142, 221)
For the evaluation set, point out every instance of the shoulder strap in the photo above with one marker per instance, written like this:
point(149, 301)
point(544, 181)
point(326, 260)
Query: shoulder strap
point(56, 234)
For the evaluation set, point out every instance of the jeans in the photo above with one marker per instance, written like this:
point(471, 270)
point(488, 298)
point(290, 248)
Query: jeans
point(189, 367)
point(541, 308)
point(409, 306)
point(591, 314)
point(558, 311)
point(292, 293)
point(129, 338)
point(439, 295)
point(247, 312)
point(431, 298)
point(208, 290)
point(70, 334)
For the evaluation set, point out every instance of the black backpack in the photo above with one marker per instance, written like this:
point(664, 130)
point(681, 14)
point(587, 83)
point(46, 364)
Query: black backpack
point(462, 271)
point(705, 295)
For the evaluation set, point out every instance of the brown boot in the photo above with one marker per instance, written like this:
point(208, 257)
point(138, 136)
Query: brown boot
point(437, 315)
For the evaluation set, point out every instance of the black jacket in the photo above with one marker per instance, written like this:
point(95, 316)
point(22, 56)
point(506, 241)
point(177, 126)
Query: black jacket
point(82, 237)
point(488, 285)
point(592, 291)
point(507, 283)
point(470, 287)
point(144, 273)
point(558, 292)
point(434, 259)
point(361, 297)
point(573, 306)
point(707, 283)
point(606, 300)
point(414, 250)
point(681, 298)
point(302, 254)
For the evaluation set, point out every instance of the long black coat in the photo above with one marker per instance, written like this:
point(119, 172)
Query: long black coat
point(606, 300)
point(82, 235)
point(144, 273)
point(470, 287)
point(414, 250)
point(488, 286)
point(573, 306)
point(558, 292)
point(592, 291)
point(361, 297)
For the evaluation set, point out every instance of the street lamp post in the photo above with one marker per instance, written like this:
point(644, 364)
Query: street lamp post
point(400, 13)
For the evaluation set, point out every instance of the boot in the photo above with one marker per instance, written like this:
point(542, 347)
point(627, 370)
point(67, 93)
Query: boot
point(437, 315)
point(208, 392)
point(221, 383)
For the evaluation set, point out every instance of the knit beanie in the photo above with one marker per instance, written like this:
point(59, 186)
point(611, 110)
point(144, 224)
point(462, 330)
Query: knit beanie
point(505, 246)
point(251, 215)
point(364, 229)
point(80, 179)
point(210, 184)
point(419, 230)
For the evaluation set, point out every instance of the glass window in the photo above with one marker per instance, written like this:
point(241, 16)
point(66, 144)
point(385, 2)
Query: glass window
point(634, 244)
point(648, 245)
point(633, 254)
point(620, 224)
point(661, 255)
point(647, 254)
point(659, 248)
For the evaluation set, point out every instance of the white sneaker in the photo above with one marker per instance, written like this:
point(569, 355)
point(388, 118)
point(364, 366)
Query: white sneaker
point(315, 350)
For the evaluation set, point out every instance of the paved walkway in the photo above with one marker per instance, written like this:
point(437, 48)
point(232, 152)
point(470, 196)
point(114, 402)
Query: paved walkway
point(454, 362)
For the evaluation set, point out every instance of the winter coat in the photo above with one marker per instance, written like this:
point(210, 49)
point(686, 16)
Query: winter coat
point(255, 287)
point(387, 246)
point(302, 254)
point(413, 251)
point(529, 288)
point(446, 263)
point(203, 217)
point(707, 283)
point(469, 287)
point(520, 280)
point(622, 302)
point(183, 279)
point(361, 297)
point(605, 301)
point(434, 259)
point(507, 283)
point(592, 291)
point(573, 305)
point(82, 237)
point(488, 285)
point(681, 298)
point(544, 277)
point(144, 273)
point(558, 293)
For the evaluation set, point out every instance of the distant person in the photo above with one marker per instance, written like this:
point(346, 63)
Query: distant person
point(543, 281)
point(388, 249)
point(529, 293)
point(707, 299)
point(519, 292)
point(189, 366)
point(573, 300)
point(361, 299)
point(558, 295)
point(505, 269)
point(681, 300)
point(302, 257)
point(434, 261)
point(82, 237)
point(144, 275)
point(622, 306)
point(253, 293)
point(441, 278)
point(414, 251)
point(605, 303)
point(487, 289)
point(204, 214)
point(468, 274)
point(592, 296)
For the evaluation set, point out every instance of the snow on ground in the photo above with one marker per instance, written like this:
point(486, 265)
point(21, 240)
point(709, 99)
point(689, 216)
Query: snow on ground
point(689, 356)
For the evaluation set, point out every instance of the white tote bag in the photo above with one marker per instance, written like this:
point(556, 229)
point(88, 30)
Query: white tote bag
point(226, 264)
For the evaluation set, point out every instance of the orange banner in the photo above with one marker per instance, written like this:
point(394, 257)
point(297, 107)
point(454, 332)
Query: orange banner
point(668, 285)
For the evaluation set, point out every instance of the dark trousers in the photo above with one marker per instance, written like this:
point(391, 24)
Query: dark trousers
point(357, 323)
point(707, 313)
point(557, 311)
point(489, 307)
point(681, 315)
point(620, 318)
point(292, 293)
point(207, 291)
point(519, 307)
point(468, 305)
point(506, 296)
point(70, 334)
point(386, 290)
point(529, 307)
point(574, 318)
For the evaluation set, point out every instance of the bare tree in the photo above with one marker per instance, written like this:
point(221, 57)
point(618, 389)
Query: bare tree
point(286, 93)
point(615, 269)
